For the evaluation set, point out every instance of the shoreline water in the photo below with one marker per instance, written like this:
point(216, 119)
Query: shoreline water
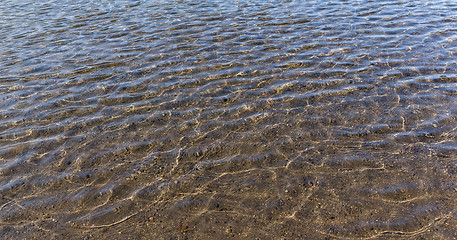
point(217, 119)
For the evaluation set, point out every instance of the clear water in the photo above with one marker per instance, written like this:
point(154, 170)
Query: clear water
point(228, 119)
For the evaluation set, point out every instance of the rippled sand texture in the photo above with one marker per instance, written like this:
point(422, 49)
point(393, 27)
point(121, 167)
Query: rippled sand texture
point(221, 119)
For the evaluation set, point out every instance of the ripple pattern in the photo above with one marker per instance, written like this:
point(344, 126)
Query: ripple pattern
point(274, 119)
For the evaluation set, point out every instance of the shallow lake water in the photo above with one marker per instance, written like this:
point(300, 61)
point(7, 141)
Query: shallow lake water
point(224, 119)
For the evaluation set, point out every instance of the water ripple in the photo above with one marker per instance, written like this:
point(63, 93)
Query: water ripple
point(245, 119)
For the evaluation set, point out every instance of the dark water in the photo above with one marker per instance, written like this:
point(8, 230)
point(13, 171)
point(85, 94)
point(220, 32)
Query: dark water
point(228, 119)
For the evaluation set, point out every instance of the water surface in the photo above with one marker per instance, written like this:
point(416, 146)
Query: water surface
point(228, 119)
